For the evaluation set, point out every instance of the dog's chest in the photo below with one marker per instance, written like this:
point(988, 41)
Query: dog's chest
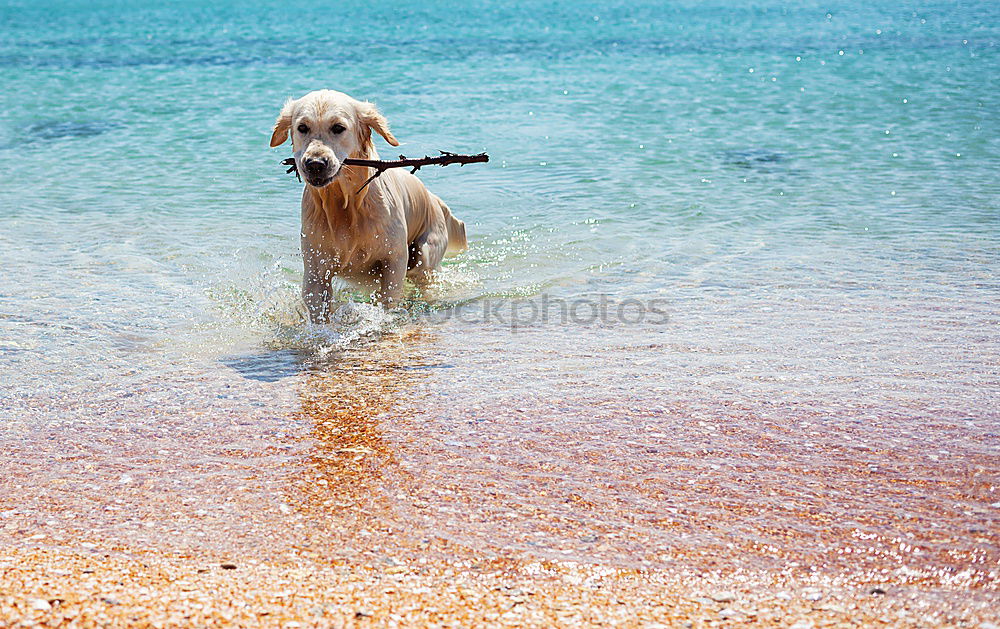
point(349, 249)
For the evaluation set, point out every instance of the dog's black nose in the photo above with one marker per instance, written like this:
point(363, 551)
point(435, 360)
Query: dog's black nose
point(315, 165)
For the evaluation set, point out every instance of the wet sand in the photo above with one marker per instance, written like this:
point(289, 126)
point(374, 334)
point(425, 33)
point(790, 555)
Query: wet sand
point(366, 493)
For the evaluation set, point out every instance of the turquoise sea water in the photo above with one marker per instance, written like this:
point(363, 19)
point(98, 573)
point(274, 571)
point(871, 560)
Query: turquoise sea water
point(808, 190)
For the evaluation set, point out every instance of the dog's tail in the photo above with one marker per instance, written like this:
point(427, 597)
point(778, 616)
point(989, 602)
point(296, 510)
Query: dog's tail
point(456, 231)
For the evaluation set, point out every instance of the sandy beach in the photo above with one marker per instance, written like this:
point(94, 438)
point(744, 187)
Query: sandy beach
point(117, 588)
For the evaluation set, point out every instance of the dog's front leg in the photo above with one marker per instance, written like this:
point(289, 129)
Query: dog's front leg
point(316, 295)
point(391, 275)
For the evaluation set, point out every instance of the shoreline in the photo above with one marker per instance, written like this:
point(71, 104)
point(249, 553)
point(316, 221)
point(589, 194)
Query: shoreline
point(55, 587)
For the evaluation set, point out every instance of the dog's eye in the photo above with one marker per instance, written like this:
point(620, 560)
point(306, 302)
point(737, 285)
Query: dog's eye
point(303, 128)
point(338, 129)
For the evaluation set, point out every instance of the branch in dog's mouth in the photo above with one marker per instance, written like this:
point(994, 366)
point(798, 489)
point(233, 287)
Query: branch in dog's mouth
point(415, 163)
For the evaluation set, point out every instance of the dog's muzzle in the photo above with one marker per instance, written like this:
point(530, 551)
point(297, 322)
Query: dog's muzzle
point(317, 171)
point(315, 166)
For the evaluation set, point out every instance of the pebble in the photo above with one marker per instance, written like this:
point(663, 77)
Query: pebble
point(723, 597)
point(228, 566)
point(39, 604)
point(837, 609)
point(728, 613)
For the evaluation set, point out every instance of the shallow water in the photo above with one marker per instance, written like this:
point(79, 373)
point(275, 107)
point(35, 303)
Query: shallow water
point(799, 203)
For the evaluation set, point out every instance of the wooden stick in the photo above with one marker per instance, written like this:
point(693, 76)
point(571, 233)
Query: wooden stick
point(382, 165)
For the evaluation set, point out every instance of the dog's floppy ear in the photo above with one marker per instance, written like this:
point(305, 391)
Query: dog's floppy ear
point(282, 124)
point(371, 116)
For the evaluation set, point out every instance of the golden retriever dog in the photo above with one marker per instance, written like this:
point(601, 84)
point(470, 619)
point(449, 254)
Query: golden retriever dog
point(374, 236)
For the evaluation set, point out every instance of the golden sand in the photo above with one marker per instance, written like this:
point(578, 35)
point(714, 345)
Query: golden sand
point(54, 588)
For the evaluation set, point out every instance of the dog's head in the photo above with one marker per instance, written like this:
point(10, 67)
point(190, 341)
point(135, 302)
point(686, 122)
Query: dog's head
point(327, 127)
